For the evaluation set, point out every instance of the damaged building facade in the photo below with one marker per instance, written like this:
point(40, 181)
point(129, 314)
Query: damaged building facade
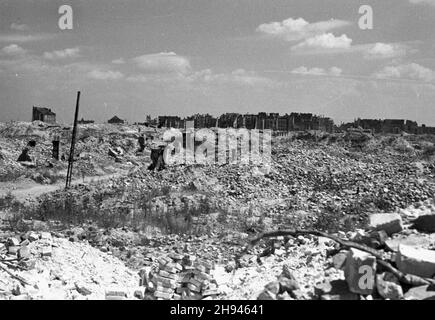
point(43, 114)
point(293, 122)
point(116, 120)
point(393, 126)
point(260, 121)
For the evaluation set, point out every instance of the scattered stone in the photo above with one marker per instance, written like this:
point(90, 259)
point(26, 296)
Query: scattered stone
point(13, 250)
point(425, 223)
point(13, 242)
point(413, 240)
point(139, 293)
point(16, 290)
point(82, 289)
point(417, 261)
point(302, 240)
point(33, 236)
point(334, 290)
point(115, 298)
point(288, 285)
point(230, 266)
point(144, 277)
point(287, 281)
point(279, 252)
point(388, 286)
point(284, 296)
point(46, 236)
point(27, 264)
point(163, 295)
point(273, 287)
point(421, 293)
point(389, 222)
point(20, 297)
point(115, 293)
point(339, 259)
point(266, 295)
point(23, 252)
point(46, 251)
point(287, 273)
point(360, 271)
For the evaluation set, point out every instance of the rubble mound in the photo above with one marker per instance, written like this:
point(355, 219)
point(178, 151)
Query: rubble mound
point(51, 267)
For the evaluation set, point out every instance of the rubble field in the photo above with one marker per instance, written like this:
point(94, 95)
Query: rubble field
point(345, 216)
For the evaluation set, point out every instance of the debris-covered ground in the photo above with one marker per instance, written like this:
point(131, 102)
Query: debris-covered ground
point(123, 231)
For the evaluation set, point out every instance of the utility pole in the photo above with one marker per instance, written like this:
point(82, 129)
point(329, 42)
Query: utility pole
point(73, 142)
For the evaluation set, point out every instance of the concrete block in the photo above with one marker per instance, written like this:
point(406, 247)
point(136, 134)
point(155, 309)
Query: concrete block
point(46, 251)
point(33, 236)
point(13, 242)
point(163, 295)
point(420, 262)
point(360, 272)
point(389, 222)
point(13, 250)
point(23, 252)
point(116, 291)
point(421, 293)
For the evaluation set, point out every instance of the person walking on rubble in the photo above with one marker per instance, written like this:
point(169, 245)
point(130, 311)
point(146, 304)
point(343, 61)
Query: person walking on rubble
point(141, 141)
point(157, 161)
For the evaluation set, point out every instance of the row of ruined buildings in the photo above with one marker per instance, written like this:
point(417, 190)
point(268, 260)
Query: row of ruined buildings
point(292, 122)
point(394, 126)
point(261, 121)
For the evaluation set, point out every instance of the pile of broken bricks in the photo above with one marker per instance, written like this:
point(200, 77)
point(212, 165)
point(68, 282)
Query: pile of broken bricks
point(18, 253)
point(365, 277)
point(178, 277)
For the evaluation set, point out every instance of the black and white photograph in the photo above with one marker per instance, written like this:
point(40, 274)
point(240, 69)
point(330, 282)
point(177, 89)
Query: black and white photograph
point(216, 154)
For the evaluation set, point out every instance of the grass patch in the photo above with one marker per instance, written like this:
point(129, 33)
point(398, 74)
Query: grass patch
point(122, 206)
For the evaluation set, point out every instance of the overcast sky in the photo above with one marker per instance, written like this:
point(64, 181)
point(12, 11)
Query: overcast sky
point(137, 57)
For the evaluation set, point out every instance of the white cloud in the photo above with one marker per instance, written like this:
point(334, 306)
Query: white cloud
point(62, 54)
point(297, 29)
point(333, 71)
point(412, 71)
point(105, 75)
point(19, 27)
point(239, 77)
point(118, 61)
point(324, 41)
point(430, 2)
point(163, 62)
point(156, 78)
point(13, 50)
point(384, 51)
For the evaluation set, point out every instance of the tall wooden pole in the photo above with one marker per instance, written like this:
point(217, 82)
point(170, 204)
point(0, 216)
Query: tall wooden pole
point(73, 142)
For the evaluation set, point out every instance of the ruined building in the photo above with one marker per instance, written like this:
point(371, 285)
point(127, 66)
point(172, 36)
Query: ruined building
point(43, 114)
point(169, 122)
point(116, 120)
point(394, 126)
point(83, 121)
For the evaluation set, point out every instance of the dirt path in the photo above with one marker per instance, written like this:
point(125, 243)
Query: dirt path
point(29, 191)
